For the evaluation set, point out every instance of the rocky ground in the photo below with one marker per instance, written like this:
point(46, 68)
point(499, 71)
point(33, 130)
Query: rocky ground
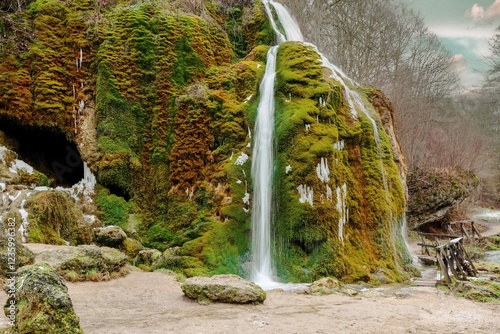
point(145, 302)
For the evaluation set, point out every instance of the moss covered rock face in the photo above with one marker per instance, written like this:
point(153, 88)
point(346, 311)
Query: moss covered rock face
point(40, 302)
point(173, 88)
point(339, 196)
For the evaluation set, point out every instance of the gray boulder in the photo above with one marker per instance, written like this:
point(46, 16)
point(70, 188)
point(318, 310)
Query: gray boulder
point(324, 286)
point(40, 302)
point(110, 236)
point(224, 289)
point(86, 262)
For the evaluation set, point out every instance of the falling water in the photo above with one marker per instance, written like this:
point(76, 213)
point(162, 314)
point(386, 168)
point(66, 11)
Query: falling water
point(262, 162)
point(262, 170)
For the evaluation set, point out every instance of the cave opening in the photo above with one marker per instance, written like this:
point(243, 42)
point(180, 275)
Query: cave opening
point(48, 152)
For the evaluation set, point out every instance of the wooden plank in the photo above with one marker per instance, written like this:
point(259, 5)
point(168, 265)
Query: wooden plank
point(440, 236)
point(474, 229)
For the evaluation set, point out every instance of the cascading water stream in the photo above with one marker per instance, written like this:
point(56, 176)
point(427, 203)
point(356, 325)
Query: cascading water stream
point(262, 162)
point(262, 169)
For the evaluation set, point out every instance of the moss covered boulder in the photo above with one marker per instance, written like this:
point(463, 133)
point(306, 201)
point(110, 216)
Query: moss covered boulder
point(224, 289)
point(110, 236)
point(147, 259)
point(86, 262)
point(13, 254)
point(54, 218)
point(41, 303)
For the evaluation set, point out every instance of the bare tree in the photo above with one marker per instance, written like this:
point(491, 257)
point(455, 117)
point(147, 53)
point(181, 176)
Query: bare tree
point(385, 44)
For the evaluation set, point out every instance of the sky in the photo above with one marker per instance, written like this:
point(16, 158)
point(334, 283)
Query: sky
point(464, 27)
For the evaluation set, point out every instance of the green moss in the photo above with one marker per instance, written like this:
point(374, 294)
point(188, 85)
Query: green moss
point(55, 219)
point(113, 210)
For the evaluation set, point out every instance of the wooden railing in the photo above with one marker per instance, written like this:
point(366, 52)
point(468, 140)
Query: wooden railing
point(453, 259)
point(450, 255)
point(467, 229)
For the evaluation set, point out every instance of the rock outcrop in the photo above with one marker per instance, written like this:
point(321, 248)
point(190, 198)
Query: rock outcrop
point(224, 289)
point(39, 303)
point(434, 193)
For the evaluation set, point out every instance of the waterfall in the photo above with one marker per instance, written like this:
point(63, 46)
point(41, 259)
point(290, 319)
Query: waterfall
point(262, 170)
point(262, 162)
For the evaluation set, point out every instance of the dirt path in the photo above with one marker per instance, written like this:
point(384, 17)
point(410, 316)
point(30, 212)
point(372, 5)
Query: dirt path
point(154, 303)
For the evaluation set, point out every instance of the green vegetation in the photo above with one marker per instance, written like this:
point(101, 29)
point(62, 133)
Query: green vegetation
point(312, 116)
point(113, 210)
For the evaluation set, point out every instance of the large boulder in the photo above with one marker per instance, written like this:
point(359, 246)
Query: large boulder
point(86, 262)
point(224, 289)
point(39, 302)
point(432, 194)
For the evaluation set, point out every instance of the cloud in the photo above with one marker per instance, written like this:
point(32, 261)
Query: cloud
point(479, 13)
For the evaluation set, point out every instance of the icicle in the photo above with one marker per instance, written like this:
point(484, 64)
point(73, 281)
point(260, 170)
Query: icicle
point(317, 118)
point(23, 228)
point(189, 194)
point(339, 145)
point(88, 179)
point(342, 210)
point(81, 106)
point(81, 58)
point(241, 159)
point(246, 199)
point(306, 194)
point(329, 193)
point(74, 92)
point(323, 171)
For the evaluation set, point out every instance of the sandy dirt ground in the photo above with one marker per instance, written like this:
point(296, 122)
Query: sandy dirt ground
point(154, 303)
point(145, 302)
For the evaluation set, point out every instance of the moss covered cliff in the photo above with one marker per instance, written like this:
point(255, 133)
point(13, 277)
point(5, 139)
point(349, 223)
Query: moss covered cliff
point(161, 96)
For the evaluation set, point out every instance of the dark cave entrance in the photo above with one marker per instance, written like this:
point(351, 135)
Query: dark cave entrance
point(47, 151)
